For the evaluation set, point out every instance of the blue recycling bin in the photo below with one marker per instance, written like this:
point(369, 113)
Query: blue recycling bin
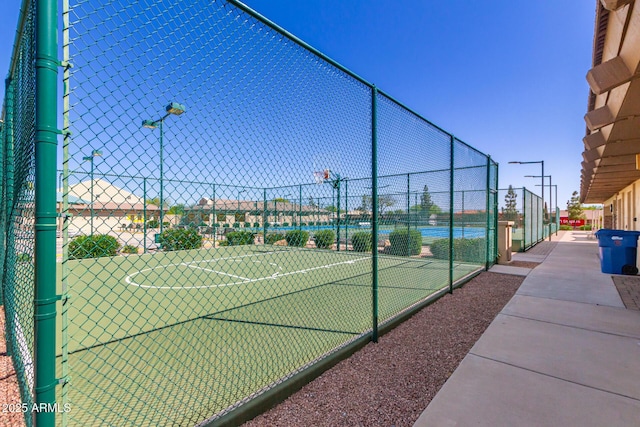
point(617, 249)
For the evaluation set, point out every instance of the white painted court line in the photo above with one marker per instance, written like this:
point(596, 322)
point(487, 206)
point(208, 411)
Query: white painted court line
point(244, 280)
point(216, 271)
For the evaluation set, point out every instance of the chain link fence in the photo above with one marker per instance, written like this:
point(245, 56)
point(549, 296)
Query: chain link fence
point(18, 205)
point(532, 223)
point(235, 211)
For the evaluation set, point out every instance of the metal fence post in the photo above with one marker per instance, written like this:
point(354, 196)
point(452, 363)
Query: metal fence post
point(524, 219)
point(495, 215)
point(144, 215)
point(265, 218)
point(408, 224)
point(300, 208)
point(374, 210)
point(45, 209)
point(215, 214)
point(451, 216)
point(346, 217)
point(488, 190)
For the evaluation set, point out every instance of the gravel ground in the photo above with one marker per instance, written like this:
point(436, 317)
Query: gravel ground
point(392, 382)
point(8, 385)
point(525, 264)
point(384, 384)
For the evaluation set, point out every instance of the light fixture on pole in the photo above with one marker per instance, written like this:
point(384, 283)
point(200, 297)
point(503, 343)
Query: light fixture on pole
point(94, 154)
point(172, 109)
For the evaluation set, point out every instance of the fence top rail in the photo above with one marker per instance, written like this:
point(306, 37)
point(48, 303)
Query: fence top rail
point(290, 36)
point(473, 149)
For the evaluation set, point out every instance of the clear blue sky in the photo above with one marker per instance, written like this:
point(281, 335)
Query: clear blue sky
point(507, 77)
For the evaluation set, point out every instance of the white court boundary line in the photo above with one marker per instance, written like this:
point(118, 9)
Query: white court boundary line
point(244, 280)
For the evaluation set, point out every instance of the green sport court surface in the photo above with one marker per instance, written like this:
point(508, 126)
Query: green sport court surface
point(246, 316)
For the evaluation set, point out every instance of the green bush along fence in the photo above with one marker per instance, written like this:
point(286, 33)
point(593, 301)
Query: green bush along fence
point(199, 210)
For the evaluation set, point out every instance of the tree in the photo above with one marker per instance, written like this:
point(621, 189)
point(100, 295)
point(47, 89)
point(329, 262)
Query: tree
point(366, 204)
point(574, 207)
point(156, 201)
point(435, 210)
point(281, 200)
point(176, 209)
point(510, 205)
point(385, 201)
point(425, 200)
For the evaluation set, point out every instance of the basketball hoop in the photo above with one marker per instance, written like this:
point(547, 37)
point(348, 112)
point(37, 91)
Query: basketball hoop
point(322, 176)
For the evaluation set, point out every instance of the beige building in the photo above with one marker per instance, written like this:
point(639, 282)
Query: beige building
point(225, 211)
point(110, 209)
point(611, 166)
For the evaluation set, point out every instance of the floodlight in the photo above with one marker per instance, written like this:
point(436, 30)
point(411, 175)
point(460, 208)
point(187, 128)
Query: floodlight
point(149, 124)
point(175, 108)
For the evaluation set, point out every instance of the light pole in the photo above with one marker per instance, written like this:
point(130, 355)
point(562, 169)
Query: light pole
point(94, 154)
point(550, 199)
point(175, 109)
point(541, 178)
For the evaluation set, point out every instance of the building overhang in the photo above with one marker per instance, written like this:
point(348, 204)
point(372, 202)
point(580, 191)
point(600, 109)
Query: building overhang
point(612, 140)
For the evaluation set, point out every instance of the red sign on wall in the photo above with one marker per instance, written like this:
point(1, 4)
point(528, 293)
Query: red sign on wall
point(572, 222)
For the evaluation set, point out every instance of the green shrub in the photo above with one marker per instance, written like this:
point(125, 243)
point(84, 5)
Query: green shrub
point(324, 238)
point(566, 227)
point(95, 246)
point(176, 239)
point(256, 225)
point(166, 223)
point(236, 225)
point(586, 227)
point(154, 223)
point(468, 250)
point(237, 238)
point(440, 248)
point(297, 238)
point(274, 237)
point(361, 241)
point(129, 249)
point(247, 224)
point(285, 224)
point(405, 242)
point(223, 243)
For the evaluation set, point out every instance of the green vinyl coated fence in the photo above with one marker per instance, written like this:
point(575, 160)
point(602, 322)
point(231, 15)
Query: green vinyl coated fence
point(532, 223)
point(200, 210)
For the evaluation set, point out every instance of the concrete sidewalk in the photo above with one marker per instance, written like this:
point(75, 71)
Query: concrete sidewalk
point(563, 352)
